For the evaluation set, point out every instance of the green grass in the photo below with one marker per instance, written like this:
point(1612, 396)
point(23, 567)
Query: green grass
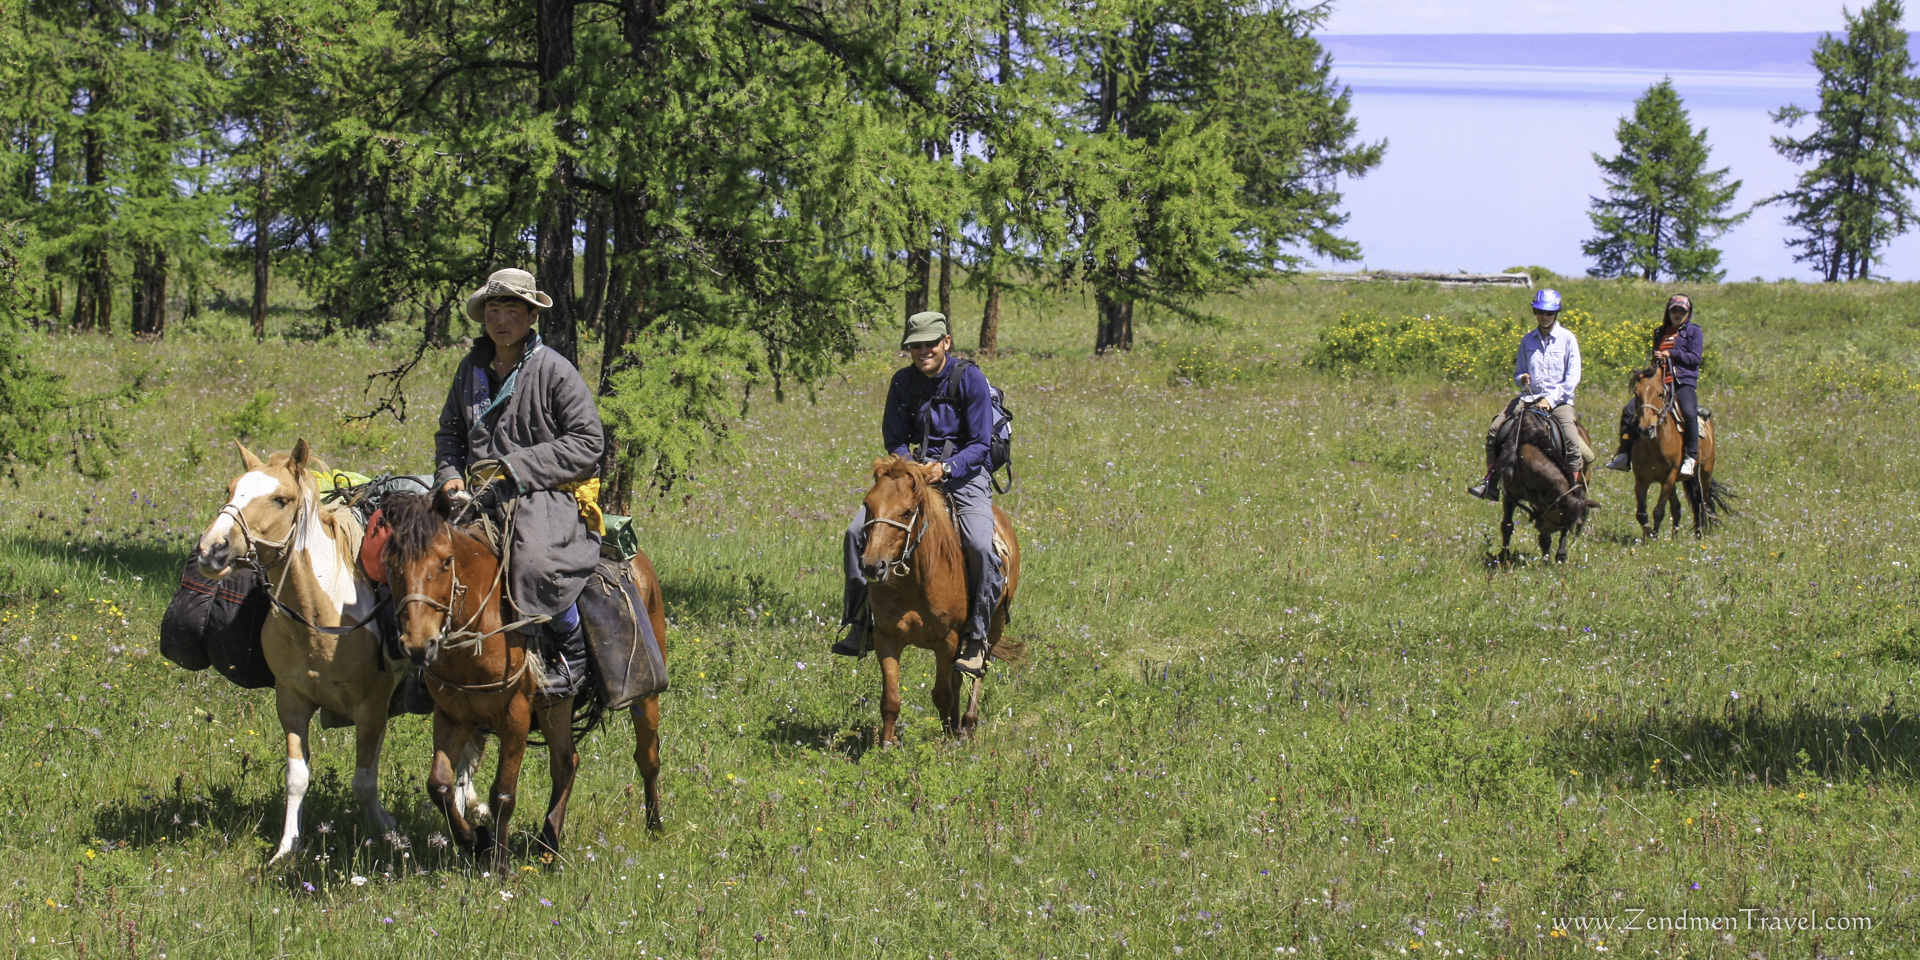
point(1279, 701)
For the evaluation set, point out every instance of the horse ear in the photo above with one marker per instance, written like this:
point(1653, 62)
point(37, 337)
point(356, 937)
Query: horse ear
point(248, 462)
point(298, 460)
point(880, 466)
point(442, 503)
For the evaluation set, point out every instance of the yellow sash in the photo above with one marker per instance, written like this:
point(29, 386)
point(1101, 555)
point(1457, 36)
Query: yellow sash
point(586, 496)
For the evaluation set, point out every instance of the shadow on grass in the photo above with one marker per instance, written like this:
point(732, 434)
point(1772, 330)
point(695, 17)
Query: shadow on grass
point(1747, 744)
point(156, 564)
point(335, 836)
point(825, 738)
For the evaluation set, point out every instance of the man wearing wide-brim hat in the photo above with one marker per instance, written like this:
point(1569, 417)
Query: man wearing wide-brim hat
point(939, 410)
point(516, 402)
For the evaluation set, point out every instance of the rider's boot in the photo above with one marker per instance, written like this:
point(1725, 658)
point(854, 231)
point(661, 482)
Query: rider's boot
point(564, 655)
point(1687, 466)
point(972, 660)
point(859, 638)
point(1622, 461)
point(1488, 488)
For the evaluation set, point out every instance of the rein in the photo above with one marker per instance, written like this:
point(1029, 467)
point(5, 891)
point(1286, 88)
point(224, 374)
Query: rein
point(296, 535)
point(466, 637)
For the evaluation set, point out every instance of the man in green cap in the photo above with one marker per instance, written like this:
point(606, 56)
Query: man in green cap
point(939, 410)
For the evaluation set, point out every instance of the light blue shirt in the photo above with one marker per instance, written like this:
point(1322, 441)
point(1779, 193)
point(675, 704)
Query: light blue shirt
point(1552, 362)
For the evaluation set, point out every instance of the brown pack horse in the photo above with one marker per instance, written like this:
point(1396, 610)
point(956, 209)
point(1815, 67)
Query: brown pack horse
point(1533, 480)
point(273, 520)
point(452, 621)
point(918, 587)
point(1657, 453)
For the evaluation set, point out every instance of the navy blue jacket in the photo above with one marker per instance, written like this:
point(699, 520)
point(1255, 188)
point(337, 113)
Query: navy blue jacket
point(967, 421)
point(1687, 348)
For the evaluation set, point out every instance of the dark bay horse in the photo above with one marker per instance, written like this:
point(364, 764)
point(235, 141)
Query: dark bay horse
point(452, 621)
point(918, 587)
point(1657, 452)
point(1533, 479)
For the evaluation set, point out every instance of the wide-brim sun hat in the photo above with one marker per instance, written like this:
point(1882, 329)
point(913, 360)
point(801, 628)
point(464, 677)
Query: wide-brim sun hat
point(506, 283)
point(927, 326)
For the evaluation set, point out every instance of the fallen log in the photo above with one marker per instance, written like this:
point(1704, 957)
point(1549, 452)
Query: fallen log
point(1461, 279)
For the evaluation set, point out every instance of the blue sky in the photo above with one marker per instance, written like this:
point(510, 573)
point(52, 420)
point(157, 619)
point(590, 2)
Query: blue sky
point(1584, 16)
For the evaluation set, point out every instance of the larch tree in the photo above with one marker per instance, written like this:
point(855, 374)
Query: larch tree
point(1663, 207)
point(1865, 142)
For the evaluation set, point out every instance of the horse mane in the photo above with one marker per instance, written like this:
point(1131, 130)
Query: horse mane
point(415, 525)
point(941, 533)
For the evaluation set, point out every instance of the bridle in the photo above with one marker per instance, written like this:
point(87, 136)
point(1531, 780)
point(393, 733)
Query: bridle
point(1669, 397)
point(465, 636)
point(903, 564)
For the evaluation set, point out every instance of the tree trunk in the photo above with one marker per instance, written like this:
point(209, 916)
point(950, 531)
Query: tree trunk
point(553, 240)
point(149, 292)
point(946, 277)
point(1116, 323)
point(262, 245)
point(594, 268)
point(93, 298)
point(919, 265)
point(627, 314)
point(990, 319)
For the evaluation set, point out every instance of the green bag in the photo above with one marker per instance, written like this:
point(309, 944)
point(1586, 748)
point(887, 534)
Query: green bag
point(621, 542)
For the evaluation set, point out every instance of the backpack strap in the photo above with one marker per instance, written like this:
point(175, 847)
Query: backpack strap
point(958, 366)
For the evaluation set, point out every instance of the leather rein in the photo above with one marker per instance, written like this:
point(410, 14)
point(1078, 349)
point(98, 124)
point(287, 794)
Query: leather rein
point(466, 637)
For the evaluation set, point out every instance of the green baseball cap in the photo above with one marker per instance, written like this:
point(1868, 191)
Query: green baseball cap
point(928, 326)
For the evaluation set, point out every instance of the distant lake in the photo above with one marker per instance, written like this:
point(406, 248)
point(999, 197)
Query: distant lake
point(1489, 164)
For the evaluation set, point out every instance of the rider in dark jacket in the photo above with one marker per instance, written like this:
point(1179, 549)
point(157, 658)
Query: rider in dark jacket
point(956, 433)
point(1680, 342)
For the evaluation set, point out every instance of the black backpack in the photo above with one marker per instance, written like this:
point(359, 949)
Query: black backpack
point(217, 623)
point(1000, 443)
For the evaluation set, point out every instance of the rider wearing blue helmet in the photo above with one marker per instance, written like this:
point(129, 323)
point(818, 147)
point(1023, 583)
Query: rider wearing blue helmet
point(1546, 370)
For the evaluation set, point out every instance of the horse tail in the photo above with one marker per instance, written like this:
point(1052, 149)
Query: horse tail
point(1009, 652)
point(1717, 500)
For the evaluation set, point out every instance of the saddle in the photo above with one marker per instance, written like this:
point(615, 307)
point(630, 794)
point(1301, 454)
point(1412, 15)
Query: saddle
point(1557, 442)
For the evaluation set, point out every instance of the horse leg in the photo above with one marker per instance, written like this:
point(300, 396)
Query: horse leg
point(1673, 499)
point(369, 732)
point(1560, 555)
point(465, 797)
point(946, 693)
point(295, 718)
point(515, 721)
point(888, 650)
point(1640, 507)
point(1506, 524)
point(556, 724)
point(451, 739)
point(646, 755)
point(1660, 498)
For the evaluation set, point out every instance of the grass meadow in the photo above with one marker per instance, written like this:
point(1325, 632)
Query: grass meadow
point(1279, 702)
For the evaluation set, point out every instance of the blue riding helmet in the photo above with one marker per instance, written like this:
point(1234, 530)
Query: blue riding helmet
point(1547, 299)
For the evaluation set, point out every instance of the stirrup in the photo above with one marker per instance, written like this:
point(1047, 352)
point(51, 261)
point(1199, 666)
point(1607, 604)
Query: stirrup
point(972, 660)
point(1485, 490)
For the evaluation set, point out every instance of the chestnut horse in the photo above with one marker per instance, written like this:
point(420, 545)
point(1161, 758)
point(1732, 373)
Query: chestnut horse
point(918, 587)
point(1533, 479)
point(1657, 453)
point(318, 639)
point(480, 673)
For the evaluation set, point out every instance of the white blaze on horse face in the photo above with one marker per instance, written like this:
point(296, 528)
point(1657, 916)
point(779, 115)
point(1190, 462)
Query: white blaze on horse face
point(250, 487)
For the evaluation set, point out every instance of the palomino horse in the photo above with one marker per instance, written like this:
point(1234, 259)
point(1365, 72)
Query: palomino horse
point(1532, 479)
point(1657, 453)
point(918, 584)
point(319, 642)
point(452, 622)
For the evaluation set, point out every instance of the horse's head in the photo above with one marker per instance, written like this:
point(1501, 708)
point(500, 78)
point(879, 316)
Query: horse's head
point(1650, 387)
point(894, 519)
point(423, 568)
point(265, 503)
